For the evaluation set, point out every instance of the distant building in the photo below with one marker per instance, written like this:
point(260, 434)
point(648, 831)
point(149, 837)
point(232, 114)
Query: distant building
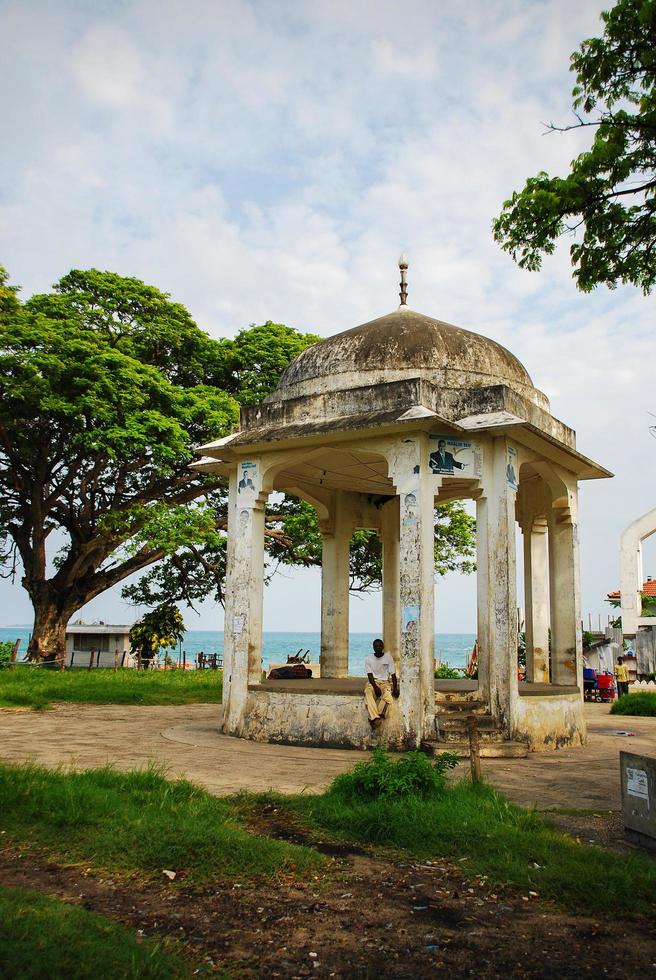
point(104, 639)
point(648, 589)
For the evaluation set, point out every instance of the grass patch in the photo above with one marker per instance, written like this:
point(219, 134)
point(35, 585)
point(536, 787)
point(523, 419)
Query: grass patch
point(489, 836)
point(136, 822)
point(42, 936)
point(640, 704)
point(34, 687)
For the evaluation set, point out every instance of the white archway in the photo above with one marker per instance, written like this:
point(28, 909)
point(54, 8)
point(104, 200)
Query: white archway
point(631, 573)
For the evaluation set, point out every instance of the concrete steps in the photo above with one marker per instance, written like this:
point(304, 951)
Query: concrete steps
point(459, 705)
point(452, 719)
point(450, 727)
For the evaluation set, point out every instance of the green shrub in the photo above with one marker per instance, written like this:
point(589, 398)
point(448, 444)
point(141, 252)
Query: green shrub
point(640, 704)
point(381, 778)
point(445, 672)
point(6, 648)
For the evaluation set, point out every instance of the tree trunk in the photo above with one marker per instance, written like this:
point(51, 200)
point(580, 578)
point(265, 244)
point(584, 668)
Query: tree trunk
point(49, 634)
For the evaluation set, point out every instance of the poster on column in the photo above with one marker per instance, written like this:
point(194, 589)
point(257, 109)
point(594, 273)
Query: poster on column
point(450, 456)
point(511, 467)
point(246, 482)
point(410, 618)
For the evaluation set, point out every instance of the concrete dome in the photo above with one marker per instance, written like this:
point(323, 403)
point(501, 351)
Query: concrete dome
point(405, 344)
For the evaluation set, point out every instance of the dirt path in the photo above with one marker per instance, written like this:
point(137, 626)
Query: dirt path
point(186, 740)
point(361, 918)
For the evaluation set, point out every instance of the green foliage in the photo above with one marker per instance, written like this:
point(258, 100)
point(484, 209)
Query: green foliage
point(455, 539)
point(610, 191)
point(413, 776)
point(6, 649)
point(161, 627)
point(105, 385)
point(260, 355)
point(447, 673)
point(136, 822)
point(454, 548)
point(42, 936)
point(640, 704)
point(588, 638)
point(33, 687)
point(648, 604)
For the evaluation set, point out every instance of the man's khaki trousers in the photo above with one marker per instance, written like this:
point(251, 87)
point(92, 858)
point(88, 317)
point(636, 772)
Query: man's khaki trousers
point(375, 708)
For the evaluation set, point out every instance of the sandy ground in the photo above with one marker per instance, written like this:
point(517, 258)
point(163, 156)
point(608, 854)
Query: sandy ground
point(186, 740)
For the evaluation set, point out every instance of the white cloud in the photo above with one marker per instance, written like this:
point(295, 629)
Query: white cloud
point(107, 66)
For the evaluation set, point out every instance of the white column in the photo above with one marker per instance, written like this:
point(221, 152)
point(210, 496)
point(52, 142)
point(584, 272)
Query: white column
point(390, 538)
point(228, 645)
point(483, 637)
point(496, 585)
point(414, 486)
point(565, 601)
point(244, 585)
point(536, 592)
point(335, 589)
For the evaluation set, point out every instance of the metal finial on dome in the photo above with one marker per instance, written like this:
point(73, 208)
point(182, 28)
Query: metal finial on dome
point(403, 266)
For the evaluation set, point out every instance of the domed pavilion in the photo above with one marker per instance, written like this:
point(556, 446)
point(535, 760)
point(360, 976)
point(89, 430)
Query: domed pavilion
point(376, 427)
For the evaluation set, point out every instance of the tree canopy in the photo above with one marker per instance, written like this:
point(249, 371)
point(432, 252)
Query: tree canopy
point(105, 387)
point(157, 629)
point(609, 194)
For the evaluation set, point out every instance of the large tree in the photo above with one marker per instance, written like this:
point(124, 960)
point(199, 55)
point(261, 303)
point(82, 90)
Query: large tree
point(607, 201)
point(105, 387)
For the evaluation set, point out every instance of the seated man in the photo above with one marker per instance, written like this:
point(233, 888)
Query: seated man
point(378, 694)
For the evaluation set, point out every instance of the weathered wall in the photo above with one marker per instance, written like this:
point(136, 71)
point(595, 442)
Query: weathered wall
point(551, 722)
point(329, 720)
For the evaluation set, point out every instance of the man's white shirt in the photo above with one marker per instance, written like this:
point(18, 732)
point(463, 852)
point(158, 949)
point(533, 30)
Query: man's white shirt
point(381, 667)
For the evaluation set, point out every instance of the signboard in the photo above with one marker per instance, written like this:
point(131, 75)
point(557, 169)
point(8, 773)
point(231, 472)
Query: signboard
point(450, 456)
point(247, 476)
point(638, 774)
point(511, 467)
point(636, 783)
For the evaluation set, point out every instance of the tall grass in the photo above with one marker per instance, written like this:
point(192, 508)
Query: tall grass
point(43, 937)
point(136, 822)
point(34, 687)
point(642, 703)
point(489, 836)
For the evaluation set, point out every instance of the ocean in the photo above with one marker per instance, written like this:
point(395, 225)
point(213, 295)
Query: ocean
point(450, 648)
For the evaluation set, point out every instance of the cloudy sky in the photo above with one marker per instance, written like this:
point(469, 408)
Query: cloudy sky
point(269, 160)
